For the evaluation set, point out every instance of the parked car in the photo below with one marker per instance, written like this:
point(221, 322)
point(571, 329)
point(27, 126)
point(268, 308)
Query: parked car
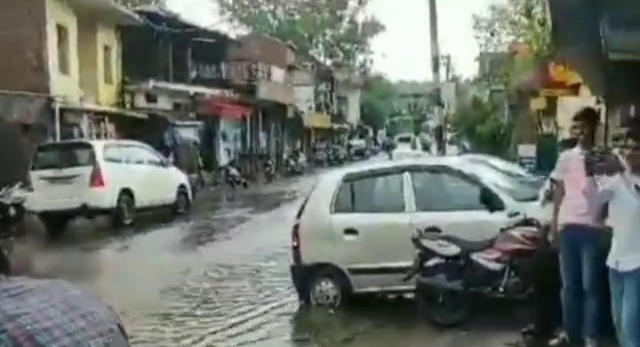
point(505, 166)
point(358, 148)
point(407, 153)
point(352, 233)
point(105, 177)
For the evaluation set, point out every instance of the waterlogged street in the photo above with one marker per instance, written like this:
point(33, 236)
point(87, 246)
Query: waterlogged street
point(220, 278)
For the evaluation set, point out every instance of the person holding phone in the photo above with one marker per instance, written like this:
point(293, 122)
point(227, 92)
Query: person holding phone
point(575, 227)
point(622, 194)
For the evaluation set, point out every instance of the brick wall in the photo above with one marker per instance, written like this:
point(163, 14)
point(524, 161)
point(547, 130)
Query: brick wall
point(23, 63)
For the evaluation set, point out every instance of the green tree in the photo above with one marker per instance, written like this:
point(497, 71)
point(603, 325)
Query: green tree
point(331, 30)
point(477, 122)
point(514, 21)
point(377, 101)
point(522, 22)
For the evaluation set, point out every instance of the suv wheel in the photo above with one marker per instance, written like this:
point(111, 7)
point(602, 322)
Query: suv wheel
point(124, 212)
point(182, 205)
point(327, 289)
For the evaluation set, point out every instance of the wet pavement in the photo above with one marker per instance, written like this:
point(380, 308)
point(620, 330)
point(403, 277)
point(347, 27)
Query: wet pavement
point(220, 278)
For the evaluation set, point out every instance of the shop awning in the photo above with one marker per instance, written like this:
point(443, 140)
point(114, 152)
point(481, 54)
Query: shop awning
point(226, 108)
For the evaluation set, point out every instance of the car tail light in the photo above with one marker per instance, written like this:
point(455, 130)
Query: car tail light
point(295, 244)
point(96, 179)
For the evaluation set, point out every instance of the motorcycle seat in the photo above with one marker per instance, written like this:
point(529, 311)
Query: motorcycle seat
point(469, 246)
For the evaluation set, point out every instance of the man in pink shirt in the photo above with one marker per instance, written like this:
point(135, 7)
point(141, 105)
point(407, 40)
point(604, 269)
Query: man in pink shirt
point(575, 225)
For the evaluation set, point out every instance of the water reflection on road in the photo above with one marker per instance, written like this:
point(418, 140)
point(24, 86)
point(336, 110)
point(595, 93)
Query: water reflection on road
point(220, 278)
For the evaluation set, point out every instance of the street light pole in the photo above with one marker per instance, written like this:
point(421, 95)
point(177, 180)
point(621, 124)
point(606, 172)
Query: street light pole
point(435, 69)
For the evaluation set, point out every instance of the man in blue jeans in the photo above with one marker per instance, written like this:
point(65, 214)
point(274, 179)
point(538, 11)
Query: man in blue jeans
point(622, 193)
point(576, 228)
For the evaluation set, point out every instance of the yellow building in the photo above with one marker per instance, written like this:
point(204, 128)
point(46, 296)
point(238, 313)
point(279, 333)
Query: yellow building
point(84, 50)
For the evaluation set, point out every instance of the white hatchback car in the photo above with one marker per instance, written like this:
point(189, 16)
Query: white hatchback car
point(114, 177)
point(353, 232)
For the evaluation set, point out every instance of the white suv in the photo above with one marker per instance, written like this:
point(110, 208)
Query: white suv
point(353, 233)
point(115, 177)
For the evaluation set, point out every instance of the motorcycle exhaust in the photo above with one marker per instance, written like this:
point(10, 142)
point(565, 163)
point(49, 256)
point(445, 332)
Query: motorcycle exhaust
point(440, 282)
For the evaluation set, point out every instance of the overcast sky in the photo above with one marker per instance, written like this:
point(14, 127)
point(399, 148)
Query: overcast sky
point(402, 51)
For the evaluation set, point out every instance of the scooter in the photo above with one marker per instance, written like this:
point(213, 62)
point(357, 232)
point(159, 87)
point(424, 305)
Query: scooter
point(294, 166)
point(269, 170)
point(234, 178)
point(12, 215)
point(451, 271)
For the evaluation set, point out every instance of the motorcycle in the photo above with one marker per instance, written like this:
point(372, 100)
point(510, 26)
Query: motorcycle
point(269, 170)
point(451, 271)
point(233, 177)
point(12, 215)
point(294, 166)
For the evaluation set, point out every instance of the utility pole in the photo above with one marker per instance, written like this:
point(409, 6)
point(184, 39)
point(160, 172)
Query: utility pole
point(440, 127)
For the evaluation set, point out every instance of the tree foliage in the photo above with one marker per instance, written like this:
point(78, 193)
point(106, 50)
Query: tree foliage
point(331, 30)
point(478, 123)
point(515, 21)
point(377, 101)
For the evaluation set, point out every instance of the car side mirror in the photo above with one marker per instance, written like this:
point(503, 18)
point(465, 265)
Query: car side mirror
point(490, 200)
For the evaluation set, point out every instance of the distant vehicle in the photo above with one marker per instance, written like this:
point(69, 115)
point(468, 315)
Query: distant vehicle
point(351, 233)
point(103, 177)
point(407, 153)
point(405, 141)
point(505, 166)
point(358, 148)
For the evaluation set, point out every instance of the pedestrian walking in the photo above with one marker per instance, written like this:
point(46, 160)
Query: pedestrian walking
point(576, 228)
point(53, 313)
point(622, 194)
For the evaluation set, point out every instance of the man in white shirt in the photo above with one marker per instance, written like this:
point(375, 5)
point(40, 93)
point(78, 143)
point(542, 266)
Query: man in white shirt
point(622, 193)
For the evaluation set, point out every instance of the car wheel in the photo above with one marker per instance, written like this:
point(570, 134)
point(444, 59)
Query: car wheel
point(55, 225)
point(182, 205)
point(123, 215)
point(327, 289)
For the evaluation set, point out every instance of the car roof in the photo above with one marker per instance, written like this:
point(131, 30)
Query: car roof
point(95, 143)
point(338, 174)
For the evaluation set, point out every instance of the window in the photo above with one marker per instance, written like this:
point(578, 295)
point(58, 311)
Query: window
point(63, 156)
point(148, 156)
point(62, 35)
point(115, 154)
point(445, 191)
point(150, 98)
point(380, 194)
point(107, 60)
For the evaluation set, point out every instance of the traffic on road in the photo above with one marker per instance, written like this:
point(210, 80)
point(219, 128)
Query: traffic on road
point(358, 254)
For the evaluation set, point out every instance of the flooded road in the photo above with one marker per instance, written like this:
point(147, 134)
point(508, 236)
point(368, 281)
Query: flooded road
point(220, 278)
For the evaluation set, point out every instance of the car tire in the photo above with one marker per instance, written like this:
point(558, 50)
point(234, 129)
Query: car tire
point(182, 205)
point(55, 225)
point(124, 212)
point(327, 288)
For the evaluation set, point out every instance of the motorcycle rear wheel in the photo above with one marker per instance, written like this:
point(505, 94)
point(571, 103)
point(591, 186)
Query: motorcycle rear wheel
point(443, 308)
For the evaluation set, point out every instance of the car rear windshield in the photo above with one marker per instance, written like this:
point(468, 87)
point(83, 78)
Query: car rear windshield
point(404, 139)
point(63, 156)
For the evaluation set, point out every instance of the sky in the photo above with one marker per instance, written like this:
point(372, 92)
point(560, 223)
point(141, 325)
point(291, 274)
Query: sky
point(402, 51)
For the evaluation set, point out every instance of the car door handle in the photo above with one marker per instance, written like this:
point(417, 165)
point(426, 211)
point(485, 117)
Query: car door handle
point(513, 214)
point(351, 232)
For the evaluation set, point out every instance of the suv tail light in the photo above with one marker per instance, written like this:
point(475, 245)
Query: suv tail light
point(295, 235)
point(96, 180)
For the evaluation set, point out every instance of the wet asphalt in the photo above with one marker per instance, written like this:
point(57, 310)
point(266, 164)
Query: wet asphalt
point(220, 277)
